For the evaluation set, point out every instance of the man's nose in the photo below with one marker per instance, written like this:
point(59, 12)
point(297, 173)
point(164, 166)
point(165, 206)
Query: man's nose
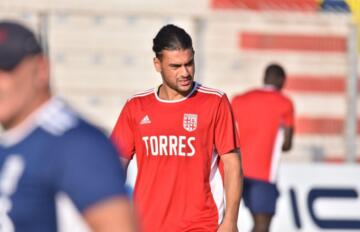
point(184, 71)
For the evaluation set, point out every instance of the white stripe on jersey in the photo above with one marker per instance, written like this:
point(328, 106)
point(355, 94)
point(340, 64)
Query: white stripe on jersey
point(57, 118)
point(276, 153)
point(197, 87)
point(141, 94)
point(211, 89)
point(210, 92)
point(54, 117)
point(217, 187)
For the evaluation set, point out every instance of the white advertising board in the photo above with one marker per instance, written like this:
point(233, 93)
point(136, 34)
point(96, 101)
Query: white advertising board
point(314, 198)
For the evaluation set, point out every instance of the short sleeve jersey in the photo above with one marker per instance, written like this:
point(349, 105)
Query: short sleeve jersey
point(54, 151)
point(177, 146)
point(261, 115)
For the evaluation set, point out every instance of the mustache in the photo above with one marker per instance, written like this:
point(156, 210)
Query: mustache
point(189, 77)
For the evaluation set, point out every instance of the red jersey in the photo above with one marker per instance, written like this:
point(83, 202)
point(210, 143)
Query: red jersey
point(177, 145)
point(260, 115)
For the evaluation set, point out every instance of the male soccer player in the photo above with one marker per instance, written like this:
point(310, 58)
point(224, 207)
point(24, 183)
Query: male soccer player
point(265, 119)
point(46, 148)
point(179, 131)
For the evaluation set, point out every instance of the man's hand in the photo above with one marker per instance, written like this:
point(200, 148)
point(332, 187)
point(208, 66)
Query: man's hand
point(233, 188)
point(227, 227)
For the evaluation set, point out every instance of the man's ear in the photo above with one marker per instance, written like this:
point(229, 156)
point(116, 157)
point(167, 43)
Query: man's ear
point(43, 71)
point(157, 64)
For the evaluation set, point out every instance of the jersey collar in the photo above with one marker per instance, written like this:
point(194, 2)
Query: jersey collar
point(178, 100)
point(268, 87)
point(15, 135)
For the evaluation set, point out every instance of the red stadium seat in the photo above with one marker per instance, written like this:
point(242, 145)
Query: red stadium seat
point(292, 42)
point(291, 5)
point(317, 83)
point(321, 125)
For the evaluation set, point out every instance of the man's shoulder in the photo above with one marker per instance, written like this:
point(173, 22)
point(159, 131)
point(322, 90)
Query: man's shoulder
point(141, 95)
point(57, 117)
point(209, 91)
point(281, 98)
point(246, 94)
point(82, 137)
point(139, 100)
point(284, 98)
point(59, 120)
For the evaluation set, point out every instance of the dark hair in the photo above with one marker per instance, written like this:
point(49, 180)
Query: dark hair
point(275, 75)
point(171, 37)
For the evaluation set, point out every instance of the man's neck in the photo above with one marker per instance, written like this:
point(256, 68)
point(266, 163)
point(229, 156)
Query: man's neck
point(12, 135)
point(271, 87)
point(26, 115)
point(167, 93)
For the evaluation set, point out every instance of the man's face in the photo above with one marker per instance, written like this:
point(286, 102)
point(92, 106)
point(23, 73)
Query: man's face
point(177, 69)
point(18, 91)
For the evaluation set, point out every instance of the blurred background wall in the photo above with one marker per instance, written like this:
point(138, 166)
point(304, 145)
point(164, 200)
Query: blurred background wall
point(101, 55)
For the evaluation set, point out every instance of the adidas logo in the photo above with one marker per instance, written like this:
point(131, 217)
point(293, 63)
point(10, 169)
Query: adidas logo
point(145, 120)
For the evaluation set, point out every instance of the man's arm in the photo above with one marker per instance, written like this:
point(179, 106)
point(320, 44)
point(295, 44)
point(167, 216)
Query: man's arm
point(112, 215)
point(89, 172)
point(125, 163)
point(233, 182)
point(288, 131)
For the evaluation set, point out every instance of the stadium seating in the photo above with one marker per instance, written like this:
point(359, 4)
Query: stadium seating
point(288, 5)
point(101, 54)
point(314, 55)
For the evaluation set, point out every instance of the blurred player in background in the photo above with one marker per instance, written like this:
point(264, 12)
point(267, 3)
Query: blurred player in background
point(179, 132)
point(265, 120)
point(45, 148)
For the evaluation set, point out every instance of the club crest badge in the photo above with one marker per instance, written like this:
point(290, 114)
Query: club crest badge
point(190, 122)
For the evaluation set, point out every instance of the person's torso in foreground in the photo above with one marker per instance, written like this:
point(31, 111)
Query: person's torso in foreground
point(260, 115)
point(55, 152)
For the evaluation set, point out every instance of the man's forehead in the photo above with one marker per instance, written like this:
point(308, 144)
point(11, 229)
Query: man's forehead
point(177, 51)
point(181, 56)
